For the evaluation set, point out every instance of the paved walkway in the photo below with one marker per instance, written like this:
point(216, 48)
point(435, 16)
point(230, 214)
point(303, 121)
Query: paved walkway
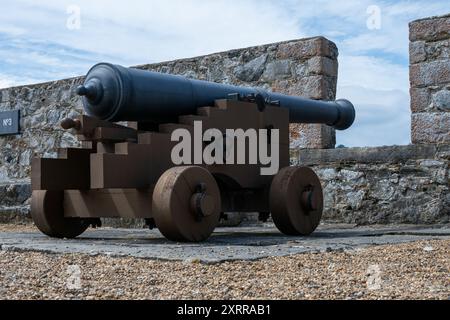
point(226, 244)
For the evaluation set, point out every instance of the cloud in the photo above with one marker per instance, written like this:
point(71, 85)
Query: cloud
point(36, 42)
point(382, 117)
point(345, 22)
point(6, 82)
point(379, 91)
point(36, 45)
point(153, 30)
point(372, 73)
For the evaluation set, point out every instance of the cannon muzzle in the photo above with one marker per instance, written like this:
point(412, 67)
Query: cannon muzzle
point(115, 93)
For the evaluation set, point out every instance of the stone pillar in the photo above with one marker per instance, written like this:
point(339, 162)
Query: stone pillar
point(316, 75)
point(305, 67)
point(430, 80)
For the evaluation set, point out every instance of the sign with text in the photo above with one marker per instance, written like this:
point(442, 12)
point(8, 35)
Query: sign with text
point(9, 122)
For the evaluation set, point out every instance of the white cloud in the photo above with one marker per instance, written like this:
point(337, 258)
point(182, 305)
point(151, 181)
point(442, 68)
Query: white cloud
point(382, 117)
point(12, 30)
point(386, 42)
point(6, 82)
point(36, 45)
point(372, 73)
point(345, 22)
point(379, 90)
point(155, 30)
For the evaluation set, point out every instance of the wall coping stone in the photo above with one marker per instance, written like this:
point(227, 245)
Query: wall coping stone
point(388, 154)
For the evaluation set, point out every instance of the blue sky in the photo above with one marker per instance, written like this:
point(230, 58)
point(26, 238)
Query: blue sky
point(36, 44)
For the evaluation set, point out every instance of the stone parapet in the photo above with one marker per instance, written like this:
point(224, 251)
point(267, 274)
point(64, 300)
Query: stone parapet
point(430, 79)
point(400, 184)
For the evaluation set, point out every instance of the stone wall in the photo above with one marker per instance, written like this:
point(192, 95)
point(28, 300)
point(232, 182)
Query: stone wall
point(306, 67)
point(400, 184)
point(430, 79)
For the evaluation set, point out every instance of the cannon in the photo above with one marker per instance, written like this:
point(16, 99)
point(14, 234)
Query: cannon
point(125, 167)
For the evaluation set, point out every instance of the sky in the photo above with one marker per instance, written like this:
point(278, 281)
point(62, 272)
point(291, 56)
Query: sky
point(50, 40)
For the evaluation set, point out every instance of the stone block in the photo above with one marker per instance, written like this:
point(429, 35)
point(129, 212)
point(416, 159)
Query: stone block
point(252, 70)
point(367, 155)
point(420, 99)
point(313, 87)
point(278, 69)
point(322, 66)
point(430, 73)
point(439, 50)
point(312, 136)
point(430, 29)
point(417, 52)
point(441, 100)
point(308, 48)
point(430, 127)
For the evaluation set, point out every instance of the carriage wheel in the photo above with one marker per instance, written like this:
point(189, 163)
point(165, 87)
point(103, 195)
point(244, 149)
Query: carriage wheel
point(47, 211)
point(296, 201)
point(186, 204)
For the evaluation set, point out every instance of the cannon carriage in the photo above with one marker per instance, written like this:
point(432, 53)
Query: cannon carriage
point(127, 170)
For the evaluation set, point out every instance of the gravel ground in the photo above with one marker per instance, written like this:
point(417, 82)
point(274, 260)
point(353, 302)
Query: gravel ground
point(22, 227)
point(418, 270)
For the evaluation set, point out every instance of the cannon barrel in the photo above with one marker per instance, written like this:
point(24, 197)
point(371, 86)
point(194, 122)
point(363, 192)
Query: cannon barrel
point(115, 93)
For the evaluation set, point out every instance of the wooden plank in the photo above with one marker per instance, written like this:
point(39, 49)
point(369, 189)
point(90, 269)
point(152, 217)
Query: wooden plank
point(88, 125)
point(70, 172)
point(114, 134)
point(92, 129)
point(113, 203)
point(132, 165)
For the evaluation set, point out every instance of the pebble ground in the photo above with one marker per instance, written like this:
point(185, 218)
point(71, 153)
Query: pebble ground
point(419, 270)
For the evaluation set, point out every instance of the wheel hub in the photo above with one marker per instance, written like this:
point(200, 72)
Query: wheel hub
point(202, 204)
point(308, 200)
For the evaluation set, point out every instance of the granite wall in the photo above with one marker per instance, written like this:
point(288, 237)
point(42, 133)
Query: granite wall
point(399, 184)
point(430, 79)
point(306, 67)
